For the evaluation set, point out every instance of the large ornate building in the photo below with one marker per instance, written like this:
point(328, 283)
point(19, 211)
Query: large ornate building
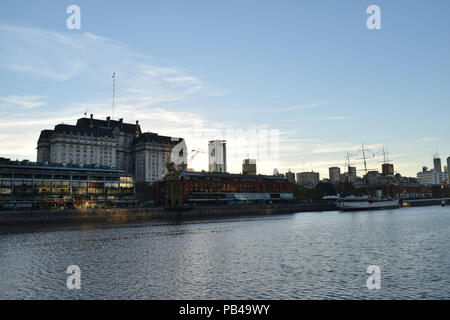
point(109, 143)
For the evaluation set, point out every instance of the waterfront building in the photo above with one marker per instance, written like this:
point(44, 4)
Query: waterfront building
point(308, 179)
point(334, 174)
point(152, 152)
point(27, 185)
point(249, 166)
point(290, 176)
point(217, 159)
point(90, 142)
point(223, 188)
point(108, 143)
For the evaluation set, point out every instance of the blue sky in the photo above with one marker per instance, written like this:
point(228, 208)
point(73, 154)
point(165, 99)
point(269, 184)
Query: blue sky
point(310, 70)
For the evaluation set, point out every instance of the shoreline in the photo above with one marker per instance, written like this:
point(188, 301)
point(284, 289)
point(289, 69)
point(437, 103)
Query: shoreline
point(27, 217)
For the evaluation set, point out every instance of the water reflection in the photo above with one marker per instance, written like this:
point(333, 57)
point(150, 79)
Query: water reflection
point(321, 255)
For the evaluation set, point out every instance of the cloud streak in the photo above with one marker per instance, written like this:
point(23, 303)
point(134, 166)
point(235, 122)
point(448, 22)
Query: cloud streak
point(22, 102)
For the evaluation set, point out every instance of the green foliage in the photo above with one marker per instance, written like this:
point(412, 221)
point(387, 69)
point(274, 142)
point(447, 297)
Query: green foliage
point(322, 189)
point(145, 192)
point(172, 172)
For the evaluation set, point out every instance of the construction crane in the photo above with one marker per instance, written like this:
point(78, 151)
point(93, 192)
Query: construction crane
point(194, 153)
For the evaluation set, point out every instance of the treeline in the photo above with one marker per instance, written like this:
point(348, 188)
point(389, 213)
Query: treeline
point(325, 189)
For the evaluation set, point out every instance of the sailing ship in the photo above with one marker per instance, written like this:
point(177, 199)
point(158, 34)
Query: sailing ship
point(356, 203)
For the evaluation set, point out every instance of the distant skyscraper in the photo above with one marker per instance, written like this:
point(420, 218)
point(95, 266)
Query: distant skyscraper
point(335, 174)
point(437, 163)
point(387, 169)
point(290, 176)
point(308, 179)
point(249, 166)
point(217, 150)
point(448, 169)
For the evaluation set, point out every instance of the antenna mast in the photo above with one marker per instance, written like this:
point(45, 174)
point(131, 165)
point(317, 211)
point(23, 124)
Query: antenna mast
point(114, 89)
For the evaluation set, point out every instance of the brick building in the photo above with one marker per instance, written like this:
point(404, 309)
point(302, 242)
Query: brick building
point(224, 188)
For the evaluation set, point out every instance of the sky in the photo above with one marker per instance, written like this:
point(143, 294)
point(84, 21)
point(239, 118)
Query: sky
point(294, 84)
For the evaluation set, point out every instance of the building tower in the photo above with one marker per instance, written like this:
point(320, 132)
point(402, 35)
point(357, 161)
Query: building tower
point(217, 150)
point(448, 169)
point(335, 175)
point(437, 163)
point(249, 166)
point(290, 176)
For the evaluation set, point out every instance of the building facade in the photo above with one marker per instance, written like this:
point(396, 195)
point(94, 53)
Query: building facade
point(107, 143)
point(335, 175)
point(432, 177)
point(152, 152)
point(290, 176)
point(30, 185)
point(308, 179)
point(217, 156)
point(448, 170)
point(351, 174)
point(387, 169)
point(249, 166)
point(224, 188)
point(437, 163)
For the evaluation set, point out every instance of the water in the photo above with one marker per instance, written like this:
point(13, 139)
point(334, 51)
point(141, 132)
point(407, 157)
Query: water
point(321, 255)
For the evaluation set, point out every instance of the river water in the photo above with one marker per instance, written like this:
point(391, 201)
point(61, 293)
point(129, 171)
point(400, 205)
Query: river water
point(317, 255)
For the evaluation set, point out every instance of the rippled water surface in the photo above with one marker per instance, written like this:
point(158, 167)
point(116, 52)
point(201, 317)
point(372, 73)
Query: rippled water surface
point(320, 255)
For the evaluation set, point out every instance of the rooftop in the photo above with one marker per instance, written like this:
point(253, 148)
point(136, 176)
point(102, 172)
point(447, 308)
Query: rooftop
point(229, 176)
point(7, 163)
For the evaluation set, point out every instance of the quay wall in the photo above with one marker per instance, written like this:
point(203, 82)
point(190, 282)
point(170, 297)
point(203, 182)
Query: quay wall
point(124, 215)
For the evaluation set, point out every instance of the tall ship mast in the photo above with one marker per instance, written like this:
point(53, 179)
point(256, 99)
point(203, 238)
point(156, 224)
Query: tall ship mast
point(368, 202)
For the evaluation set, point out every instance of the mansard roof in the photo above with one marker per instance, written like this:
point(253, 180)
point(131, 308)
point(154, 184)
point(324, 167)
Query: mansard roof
point(155, 138)
point(45, 135)
point(75, 130)
point(97, 123)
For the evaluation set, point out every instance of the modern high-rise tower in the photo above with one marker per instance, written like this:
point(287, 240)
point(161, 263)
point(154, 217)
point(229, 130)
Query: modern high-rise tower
point(217, 150)
point(437, 163)
point(448, 169)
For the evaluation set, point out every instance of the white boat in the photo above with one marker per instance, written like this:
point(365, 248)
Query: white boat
point(354, 203)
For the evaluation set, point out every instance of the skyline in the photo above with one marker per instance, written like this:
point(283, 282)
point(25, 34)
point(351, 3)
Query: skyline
point(212, 68)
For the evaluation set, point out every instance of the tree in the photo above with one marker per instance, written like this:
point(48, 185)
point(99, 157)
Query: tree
point(302, 193)
point(172, 172)
point(324, 189)
point(145, 192)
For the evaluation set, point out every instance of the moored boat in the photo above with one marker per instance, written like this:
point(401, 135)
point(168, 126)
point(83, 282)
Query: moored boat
point(355, 203)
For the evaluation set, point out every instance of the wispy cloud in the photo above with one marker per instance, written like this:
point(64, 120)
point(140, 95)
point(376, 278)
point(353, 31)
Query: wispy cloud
point(23, 102)
point(160, 95)
point(429, 139)
point(292, 108)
